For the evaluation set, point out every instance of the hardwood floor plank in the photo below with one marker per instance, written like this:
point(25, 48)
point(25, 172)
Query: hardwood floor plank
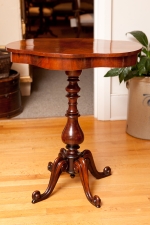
point(26, 147)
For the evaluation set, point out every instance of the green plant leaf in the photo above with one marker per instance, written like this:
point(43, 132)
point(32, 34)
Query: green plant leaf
point(141, 65)
point(131, 74)
point(121, 77)
point(120, 72)
point(134, 67)
point(126, 70)
point(147, 65)
point(141, 37)
point(113, 72)
point(145, 51)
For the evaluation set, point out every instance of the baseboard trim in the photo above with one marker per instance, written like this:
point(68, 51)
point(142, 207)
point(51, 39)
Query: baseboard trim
point(25, 85)
point(26, 79)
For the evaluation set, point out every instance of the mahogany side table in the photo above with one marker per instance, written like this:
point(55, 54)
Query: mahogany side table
point(72, 56)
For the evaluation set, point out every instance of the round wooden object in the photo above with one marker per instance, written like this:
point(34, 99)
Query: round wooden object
point(10, 96)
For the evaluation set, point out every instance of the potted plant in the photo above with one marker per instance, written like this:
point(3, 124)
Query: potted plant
point(138, 80)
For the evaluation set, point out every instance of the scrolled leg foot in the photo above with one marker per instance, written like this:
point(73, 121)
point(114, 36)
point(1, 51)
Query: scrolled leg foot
point(56, 168)
point(72, 175)
point(97, 201)
point(107, 171)
point(36, 195)
point(50, 166)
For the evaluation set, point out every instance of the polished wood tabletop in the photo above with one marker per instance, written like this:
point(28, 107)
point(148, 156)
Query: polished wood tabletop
point(81, 53)
point(72, 56)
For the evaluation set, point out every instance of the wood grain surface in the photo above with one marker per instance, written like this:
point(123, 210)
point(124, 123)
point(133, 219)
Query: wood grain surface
point(26, 146)
point(74, 53)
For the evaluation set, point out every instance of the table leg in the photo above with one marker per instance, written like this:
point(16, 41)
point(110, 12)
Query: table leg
point(70, 160)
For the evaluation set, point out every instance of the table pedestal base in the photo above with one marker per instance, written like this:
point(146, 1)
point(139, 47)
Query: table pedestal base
point(71, 160)
point(81, 165)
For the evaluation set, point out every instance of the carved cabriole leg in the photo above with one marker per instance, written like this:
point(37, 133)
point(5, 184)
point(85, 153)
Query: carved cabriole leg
point(81, 167)
point(84, 163)
point(57, 168)
point(87, 155)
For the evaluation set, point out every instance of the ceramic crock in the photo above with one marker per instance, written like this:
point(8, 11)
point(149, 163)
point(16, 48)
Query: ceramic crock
point(138, 114)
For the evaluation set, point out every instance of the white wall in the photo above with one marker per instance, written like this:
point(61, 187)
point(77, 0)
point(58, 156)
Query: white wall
point(10, 28)
point(126, 16)
point(102, 30)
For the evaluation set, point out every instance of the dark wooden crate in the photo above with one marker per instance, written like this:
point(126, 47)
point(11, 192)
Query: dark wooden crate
point(10, 96)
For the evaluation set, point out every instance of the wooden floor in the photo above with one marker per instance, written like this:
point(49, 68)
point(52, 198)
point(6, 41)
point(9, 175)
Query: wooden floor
point(26, 147)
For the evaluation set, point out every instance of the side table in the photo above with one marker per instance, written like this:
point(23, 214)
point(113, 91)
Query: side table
point(72, 56)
